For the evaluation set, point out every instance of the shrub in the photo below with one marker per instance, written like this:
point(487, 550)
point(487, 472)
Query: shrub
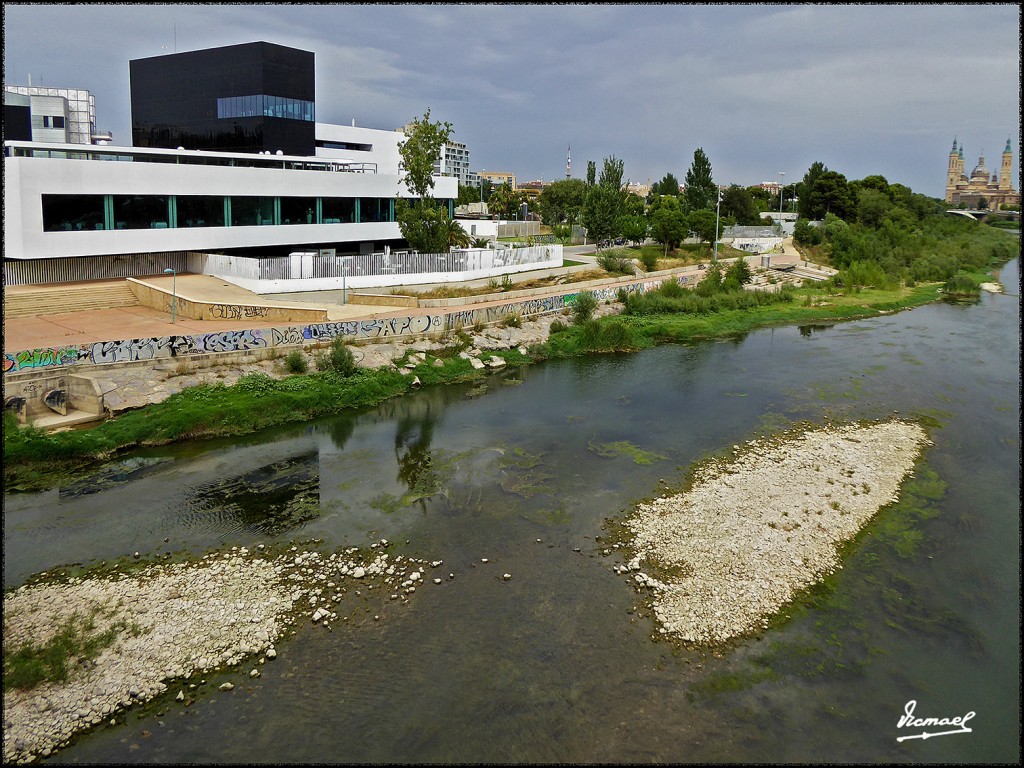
point(583, 307)
point(295, 362)
point(557, 326)
point(614, 262)
point(512, 320)
point(338, 359)
point(671, 289)
point(649, 259)
point(506, 283)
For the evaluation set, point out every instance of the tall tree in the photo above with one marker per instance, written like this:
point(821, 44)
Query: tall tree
point(669, 185)
point(591, 173)
point(668, 222)
point(423, 224)
point(562, 201)
point(702, 223)
point(737, 202)
point(601, 212)
point(419, 152)
point(806, 205)
point(832, 195)
point(700, 186)
point(611, 173)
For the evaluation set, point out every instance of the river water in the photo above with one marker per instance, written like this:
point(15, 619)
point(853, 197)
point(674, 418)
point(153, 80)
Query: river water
point(558, 663)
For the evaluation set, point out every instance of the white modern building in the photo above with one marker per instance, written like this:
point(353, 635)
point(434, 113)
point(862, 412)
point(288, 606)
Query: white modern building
point(96, 204)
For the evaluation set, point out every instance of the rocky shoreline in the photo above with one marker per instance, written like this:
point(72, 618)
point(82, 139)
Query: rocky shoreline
point(720, 559)
point(173, 623)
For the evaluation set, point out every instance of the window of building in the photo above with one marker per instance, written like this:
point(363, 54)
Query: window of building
point(58, 121)
point(140, 212)
point(200, 211)
point(298, 210)
point(252, 211)
point(338, 210)
point(266, 106)
point(70, 213)
point(374, 209)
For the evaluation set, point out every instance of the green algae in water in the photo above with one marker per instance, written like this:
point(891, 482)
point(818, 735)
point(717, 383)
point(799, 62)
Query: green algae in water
point(625, 448)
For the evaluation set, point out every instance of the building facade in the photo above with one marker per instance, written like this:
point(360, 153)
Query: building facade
point(981, 189)
point(57, 115)
point(253, 97)
point(97, 205)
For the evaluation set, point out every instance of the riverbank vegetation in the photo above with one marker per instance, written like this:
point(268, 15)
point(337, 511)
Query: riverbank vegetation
point(899, 251)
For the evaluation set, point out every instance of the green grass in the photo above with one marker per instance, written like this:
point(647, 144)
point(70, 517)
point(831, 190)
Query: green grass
point(30, 664)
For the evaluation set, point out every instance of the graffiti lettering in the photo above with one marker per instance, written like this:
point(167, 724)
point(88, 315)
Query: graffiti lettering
point(237, 312)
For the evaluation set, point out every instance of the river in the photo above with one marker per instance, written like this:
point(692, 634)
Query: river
point(557, 663)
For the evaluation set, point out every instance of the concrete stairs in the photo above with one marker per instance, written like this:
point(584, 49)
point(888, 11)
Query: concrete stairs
point(32, 300)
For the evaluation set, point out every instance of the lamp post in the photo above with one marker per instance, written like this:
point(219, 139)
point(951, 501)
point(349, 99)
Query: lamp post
point(174, 294)
point(718, 208)
point(781, 185)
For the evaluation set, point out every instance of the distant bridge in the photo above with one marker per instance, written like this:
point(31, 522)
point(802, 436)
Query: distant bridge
point(977, 215)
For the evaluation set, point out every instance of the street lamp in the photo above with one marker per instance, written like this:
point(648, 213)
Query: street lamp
point(174, 294)
point(781, 185)
point(718, 208)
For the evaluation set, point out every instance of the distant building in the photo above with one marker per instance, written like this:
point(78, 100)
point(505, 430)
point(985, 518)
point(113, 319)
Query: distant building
point(51, 115)
point(497, 178)
point(992, 189)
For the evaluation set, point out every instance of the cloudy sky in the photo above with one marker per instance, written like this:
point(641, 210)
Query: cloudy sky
point(761, 88)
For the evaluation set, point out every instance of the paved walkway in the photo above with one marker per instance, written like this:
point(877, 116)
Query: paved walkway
point(82, 328)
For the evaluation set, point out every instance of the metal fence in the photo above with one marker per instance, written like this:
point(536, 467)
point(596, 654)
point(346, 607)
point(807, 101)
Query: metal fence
point(312, 264)
point(72, 270)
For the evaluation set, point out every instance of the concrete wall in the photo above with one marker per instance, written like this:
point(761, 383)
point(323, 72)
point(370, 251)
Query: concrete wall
point(157, 298)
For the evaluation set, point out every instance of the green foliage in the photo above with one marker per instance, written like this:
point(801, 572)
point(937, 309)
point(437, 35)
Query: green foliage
point(557, 326)
point(602, 210)
point(695, 303)
point(562, 201)
point(424, 225)
point(583, 307)
point(737, 274)
point(738, 203)
point(512, 320)
point(701, 191)
point(29, 665)
point(338, 359)
point(611, 335)
point(805, 233)
point(615, 262)
point(671, 289)
point(702, 223)
point(633, 228)
point(649, 259)
point(295, 362)
point(960, 285)
point(419, 151)
point(669, 185)
point(668, 222)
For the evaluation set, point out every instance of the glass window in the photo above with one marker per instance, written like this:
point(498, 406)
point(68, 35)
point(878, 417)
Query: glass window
point(298, 210)
point(200, 211)
point(374, 209)
point(252, 211)
point(58, 121)
point(71, 213)
point(140, 212)
point(338, 210)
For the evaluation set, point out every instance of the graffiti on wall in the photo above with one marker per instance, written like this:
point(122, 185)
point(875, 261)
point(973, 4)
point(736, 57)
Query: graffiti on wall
point(132, 350)
point(237, 311)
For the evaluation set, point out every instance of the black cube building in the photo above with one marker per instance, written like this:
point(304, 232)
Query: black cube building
point(239, 98)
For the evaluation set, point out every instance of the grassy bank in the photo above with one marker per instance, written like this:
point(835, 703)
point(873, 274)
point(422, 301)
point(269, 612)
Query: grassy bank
point(34, 459)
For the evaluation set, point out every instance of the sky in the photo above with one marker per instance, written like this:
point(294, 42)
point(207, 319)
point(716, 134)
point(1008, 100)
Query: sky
point(762, 89)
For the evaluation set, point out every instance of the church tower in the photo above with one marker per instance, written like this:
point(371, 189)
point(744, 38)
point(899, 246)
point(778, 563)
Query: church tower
point(1005, 174)
point(953, 175)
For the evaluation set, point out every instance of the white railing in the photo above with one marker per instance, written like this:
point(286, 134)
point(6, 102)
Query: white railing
point(311, 264)
point(312, 270)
